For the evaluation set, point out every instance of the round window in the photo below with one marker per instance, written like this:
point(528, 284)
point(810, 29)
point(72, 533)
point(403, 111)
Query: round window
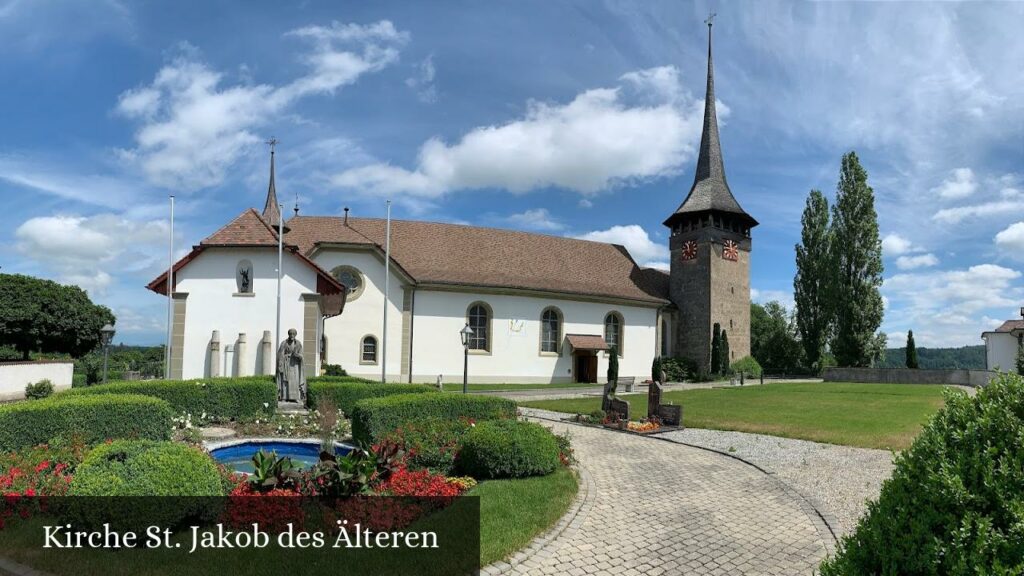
point(351, 278)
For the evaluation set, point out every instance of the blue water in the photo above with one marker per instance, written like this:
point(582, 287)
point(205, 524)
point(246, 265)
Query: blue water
point(303, 455)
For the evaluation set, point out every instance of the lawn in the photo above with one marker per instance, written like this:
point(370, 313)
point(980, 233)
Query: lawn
point(886, 416)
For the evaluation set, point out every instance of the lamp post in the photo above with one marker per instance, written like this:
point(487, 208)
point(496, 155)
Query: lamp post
point(465, 333)
point(106, 336)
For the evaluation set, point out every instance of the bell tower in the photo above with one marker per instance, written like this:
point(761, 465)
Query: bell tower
point(710, 249)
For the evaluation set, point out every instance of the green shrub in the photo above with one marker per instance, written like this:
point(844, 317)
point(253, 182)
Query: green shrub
point(218, 398)
point(144, 468)
point(507, 449)
point(955, 501)
point(747, 366)
point(334, 370)
point(78, 380)
point(430, 444)
point(374, 417)
point(345, 394)
point(92, 418)
point(678, 369)
point(39, 390)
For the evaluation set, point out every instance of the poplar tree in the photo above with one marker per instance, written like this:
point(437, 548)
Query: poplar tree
point(856, 260)
point(724, 351)
point(716, 348)
point(811, 283)
point(911, 350)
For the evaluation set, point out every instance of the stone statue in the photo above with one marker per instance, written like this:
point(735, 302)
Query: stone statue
point(291, 375)
point(245, 280)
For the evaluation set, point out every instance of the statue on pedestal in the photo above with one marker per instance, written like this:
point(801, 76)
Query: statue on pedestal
point(291, 374)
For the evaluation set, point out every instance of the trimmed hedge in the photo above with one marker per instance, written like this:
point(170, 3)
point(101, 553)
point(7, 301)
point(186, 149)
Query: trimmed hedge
point(955, 501)
point(94, 418)
point(218, 398)
point(507, 449)
point(144, 468)
point(344, 394)
point(372, 418)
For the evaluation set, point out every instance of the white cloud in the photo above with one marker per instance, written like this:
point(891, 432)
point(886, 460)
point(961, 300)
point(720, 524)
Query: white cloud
point(81, 250)
point(536, 219)
point(983, 210)
point(914, 262)
point(960, 184)
point(636, 240)
point(604, 137)
point(784, 297)
point(948, 307)
point(423, 81)
point(1011, 240)
point(895, 245)
point(193, 125)
point(585, 203)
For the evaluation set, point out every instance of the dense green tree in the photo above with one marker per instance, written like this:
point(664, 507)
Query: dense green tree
point(856, 261)
point(613, 366)
point(773, 341)
point(811, 283)
point(969, 357)
point(1020, 360)
point(43, 316)
point(716, 348)
point(724, 344)
point(911, 350)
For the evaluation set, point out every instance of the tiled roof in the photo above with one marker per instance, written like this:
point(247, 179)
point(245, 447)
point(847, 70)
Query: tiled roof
point(248, 229)
point(435, 253)
point(587, 342)
point(1010, 326)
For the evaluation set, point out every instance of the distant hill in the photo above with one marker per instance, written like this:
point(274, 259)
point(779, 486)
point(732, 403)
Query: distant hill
point(966, 357)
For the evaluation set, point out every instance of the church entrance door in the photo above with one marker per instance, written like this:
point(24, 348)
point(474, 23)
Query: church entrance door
point(586, 368)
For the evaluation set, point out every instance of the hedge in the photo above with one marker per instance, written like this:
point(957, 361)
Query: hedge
point(345, 394)
point(507, 449)
point(93, 418)
point(955, 501)
point(218, 398)
point(372, 418)
point(143, 468)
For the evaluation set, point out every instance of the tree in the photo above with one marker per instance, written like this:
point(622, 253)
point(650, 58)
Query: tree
point(716, 348)
point(911, 350)
point(856, 261)
point(811, 283)
point(656, 369)
point(773, 341)
point(724, 345)
point(613, 367)
point(42, 316)
point(1020, 360)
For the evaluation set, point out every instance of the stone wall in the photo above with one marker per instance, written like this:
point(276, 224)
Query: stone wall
point(14, 376)
point(907, 376)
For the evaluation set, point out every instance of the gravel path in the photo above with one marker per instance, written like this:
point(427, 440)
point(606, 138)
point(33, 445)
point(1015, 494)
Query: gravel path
point(838, 480)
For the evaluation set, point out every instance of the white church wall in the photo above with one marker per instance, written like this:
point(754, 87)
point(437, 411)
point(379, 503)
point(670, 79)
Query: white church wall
point(211, 305)
point(1001, 351)
point(364, 316)
point(515, 355)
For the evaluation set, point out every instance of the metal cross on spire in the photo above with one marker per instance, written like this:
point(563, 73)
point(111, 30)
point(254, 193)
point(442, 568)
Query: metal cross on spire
point(272, 142)
point(711, 19)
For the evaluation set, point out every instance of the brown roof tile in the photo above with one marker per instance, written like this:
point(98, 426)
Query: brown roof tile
point(587, 342)
point(435, 253)
point(1010, 326)
point(248, 229)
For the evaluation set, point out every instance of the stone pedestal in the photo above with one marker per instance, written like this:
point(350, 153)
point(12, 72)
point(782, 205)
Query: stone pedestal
point(215, 354)
point(267, 354)
point(241, 360)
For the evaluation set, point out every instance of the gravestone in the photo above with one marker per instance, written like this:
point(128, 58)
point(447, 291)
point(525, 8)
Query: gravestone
point(619, 407)
point(653, 399)
point(670, 415)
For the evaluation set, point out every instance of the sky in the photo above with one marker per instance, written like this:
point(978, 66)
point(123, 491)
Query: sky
point(574, 118)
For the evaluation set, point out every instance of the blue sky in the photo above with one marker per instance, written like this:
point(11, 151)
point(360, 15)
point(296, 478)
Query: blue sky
point(569, 118)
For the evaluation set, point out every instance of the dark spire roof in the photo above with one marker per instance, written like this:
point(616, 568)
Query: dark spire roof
point(271, 210)
point(710, 190)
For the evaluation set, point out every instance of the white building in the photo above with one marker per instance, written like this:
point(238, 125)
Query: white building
point(1001, 345)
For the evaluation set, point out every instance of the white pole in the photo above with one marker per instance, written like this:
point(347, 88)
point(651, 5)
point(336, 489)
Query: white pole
point(280, 263)
point(387, 283)
point(170, 289)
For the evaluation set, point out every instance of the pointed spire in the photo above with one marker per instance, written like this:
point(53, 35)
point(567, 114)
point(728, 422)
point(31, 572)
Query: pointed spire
point(710, 190)
point(271, 210)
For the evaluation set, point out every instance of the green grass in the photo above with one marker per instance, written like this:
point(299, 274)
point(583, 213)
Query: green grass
point(886, 416)
point(512, 512)
point(457, 386)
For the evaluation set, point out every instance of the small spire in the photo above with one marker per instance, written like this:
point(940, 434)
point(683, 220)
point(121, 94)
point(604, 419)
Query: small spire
point(296, 203)
point(271, 211)
point(346, 221)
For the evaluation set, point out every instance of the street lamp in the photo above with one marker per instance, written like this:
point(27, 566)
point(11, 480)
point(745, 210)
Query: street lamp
point(106, 336)
point(465, 333)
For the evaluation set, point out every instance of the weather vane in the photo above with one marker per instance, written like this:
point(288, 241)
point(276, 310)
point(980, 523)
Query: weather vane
point(711, 19)
point(272, 142)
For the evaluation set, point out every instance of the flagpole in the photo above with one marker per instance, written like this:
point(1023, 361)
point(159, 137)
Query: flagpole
point(387, 283)
point(280, 263)
point(170, 290)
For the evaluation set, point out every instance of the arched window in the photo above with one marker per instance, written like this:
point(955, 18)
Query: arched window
point(550, 330)
point(368, 352)
point(352, 279)
point(613, 331)
point(478, 316)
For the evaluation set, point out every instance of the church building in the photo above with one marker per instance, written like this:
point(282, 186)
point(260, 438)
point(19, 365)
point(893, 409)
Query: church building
point(541, 308)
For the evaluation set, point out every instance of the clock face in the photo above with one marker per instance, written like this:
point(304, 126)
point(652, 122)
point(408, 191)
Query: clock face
point(689, 250)
point(730, 250)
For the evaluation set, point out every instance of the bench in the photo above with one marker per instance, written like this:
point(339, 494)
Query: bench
point(627, 384)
